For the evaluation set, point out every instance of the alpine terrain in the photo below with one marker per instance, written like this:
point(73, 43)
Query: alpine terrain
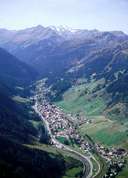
point(63, 103)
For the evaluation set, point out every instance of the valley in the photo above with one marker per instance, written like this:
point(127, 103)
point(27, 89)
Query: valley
point(63, 103)
point(62, 130)
point(53, 116)
point(82, 102)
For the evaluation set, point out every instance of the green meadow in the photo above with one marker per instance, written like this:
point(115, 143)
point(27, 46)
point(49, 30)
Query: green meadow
point(105, 131)
point(79, 99)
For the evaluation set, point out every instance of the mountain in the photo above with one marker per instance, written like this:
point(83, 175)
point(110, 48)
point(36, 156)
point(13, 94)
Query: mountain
point(14, 72)
point(15, 76)
point(43, 47)
point(65, 56)
point(87, 74)
point(17, 126)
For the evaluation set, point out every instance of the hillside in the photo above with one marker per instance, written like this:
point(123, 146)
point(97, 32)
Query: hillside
point(19, 161)
point(14, 76)
point(14, 72)
point(65, 57)
point(43, 46)
point(19, 125)
point(86, 74)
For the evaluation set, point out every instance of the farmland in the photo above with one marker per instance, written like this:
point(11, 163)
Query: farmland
point(105, 131)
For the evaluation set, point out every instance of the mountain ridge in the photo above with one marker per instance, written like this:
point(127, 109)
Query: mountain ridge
point(63, 57)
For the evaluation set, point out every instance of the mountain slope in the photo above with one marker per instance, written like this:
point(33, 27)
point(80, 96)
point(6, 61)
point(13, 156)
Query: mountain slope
point(87, 72)
point(43, 47)
point(65, 56)
point(13, 115)
point(17, 128)
point(13, 71)
point(18, 161)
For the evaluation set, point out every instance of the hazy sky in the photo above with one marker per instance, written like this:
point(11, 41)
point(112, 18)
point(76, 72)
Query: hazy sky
point(88, 14)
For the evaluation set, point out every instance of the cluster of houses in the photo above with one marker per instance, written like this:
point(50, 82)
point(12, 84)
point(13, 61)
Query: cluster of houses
point(58, 121)
point(64, 125)
point(113, 169)
point(61, 125)
point(114, 157)
point(111, 153)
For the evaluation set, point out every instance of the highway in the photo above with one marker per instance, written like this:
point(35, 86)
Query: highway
point(88, 167)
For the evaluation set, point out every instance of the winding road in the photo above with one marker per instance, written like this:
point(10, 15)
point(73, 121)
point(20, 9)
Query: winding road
point(88, 167)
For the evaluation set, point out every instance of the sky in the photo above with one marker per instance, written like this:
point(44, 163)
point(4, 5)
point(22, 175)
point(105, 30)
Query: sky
point(105, 15)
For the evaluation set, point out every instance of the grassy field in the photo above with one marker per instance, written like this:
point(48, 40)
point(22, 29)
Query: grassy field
point(62, 139)
point(109, 132)
point(103, 166)
point(105, 131)
point(90, 99)
point(73, 172)
point(79, 99)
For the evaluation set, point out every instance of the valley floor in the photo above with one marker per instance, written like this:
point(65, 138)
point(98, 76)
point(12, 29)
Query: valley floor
point(65, 129)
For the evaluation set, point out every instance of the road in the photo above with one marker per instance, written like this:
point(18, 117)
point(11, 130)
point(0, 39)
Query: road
point(88, 167)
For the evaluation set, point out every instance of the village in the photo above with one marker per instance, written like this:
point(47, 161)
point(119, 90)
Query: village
point(61, 124)
point(64, 125)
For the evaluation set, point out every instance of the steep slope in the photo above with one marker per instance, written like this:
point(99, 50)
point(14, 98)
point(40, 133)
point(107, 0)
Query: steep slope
point(17, 127)
point(44, 47)
point(18, 161)
point(65, 56)
point(13, 115)
point(87, 72)
point(18, 136)
point(13, 122)
point(104, 77)
point(13, 72)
